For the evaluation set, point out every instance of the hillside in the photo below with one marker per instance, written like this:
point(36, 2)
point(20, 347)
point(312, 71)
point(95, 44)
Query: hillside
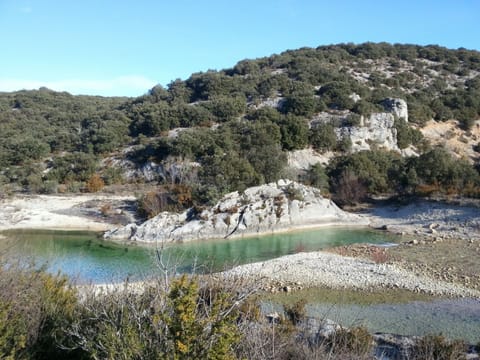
point(397, 119)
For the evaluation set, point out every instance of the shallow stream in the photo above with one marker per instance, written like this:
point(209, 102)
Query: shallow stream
point(85, 258)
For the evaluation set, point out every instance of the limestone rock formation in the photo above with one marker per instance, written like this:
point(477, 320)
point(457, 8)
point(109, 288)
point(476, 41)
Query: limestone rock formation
point(303, 159)
point(377, 129)
point(398, 107)
point(268, 208)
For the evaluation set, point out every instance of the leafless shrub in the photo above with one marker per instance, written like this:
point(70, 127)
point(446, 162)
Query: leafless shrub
point(349, 190)
point(379, 255)
point(437, 347)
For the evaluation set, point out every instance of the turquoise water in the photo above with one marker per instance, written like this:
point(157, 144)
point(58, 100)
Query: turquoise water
point(84, 257)
point(454, 318)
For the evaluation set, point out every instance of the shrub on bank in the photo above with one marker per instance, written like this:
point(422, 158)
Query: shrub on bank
point(42, 317)
point(35, 307)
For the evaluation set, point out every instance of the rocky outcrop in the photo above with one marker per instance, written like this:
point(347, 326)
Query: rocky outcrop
point(378, 129)
point(274, 207)
point(303, 159)
point(398, 107)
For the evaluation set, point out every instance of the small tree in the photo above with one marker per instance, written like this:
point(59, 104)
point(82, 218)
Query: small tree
point(95, 183)
point(349, 190)
point(323, 137)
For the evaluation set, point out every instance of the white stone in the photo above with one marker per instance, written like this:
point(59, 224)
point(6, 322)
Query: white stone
point(397, 106)
point(274, 207)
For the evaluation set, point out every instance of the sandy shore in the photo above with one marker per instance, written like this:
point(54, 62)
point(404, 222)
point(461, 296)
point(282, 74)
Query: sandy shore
point(55, 212)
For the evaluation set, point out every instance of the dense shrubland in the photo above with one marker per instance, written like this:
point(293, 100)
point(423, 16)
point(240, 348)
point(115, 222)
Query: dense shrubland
point(42, 316)
point(239, 123)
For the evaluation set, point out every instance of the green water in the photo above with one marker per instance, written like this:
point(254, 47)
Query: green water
point(84, 257)
point(454, 318)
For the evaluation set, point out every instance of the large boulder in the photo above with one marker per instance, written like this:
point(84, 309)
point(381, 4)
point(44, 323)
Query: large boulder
point(269, 208)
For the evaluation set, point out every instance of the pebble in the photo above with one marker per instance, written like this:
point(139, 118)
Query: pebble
point(336, 271)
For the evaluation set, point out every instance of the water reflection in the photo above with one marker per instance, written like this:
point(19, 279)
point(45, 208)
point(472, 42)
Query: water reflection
point(86, 258)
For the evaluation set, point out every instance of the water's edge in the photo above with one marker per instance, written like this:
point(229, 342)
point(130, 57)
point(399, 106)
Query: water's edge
point(85, 258)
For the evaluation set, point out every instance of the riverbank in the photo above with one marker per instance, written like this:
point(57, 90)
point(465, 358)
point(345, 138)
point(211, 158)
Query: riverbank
point(441, 240)
point(428, 220)
point(322, 269)
point(69, 212)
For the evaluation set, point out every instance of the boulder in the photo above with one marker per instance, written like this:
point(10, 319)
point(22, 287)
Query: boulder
point(269, 208)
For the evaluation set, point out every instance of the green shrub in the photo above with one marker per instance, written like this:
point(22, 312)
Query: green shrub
point(316, 176)
point(323, 137)
point(35, 308)
point(293, 193)
point(406, 135)
point(180, 320)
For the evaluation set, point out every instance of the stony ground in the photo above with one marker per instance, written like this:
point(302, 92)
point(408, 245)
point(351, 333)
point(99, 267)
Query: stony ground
point(323, 269)
point(454, 261)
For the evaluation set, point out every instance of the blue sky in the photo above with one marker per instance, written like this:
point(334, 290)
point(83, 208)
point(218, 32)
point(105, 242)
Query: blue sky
point(122, 47)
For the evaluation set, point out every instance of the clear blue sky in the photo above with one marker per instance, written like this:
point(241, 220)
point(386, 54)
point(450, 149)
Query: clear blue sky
point(122, 47)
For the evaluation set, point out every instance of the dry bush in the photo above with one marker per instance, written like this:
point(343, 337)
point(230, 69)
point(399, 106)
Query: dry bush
point(427, 189)
point(95, 183)
point(166, 198)
point(380, 256)
point(296, 312)
point(281, 340)
point(437, 347)
point(106, 209)
point(357, 340)
point(349, 190)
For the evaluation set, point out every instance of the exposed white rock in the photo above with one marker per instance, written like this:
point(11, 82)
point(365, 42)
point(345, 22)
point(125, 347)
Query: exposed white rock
point(305, 158)
point(355, 97)
point(274, 207)
point(150, 170)
point(396, 106)
point(379, 129)
point(275, 103)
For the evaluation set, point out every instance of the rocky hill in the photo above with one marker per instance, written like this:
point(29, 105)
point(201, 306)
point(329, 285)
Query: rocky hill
point(261, 120)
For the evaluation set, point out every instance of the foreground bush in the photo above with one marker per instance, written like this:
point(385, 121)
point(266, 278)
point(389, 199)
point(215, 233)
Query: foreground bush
point(437, 347)
point(42, 317)
point(35, 307)
point(187, 317)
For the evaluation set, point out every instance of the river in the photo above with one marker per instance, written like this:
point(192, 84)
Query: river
point(85, 258)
